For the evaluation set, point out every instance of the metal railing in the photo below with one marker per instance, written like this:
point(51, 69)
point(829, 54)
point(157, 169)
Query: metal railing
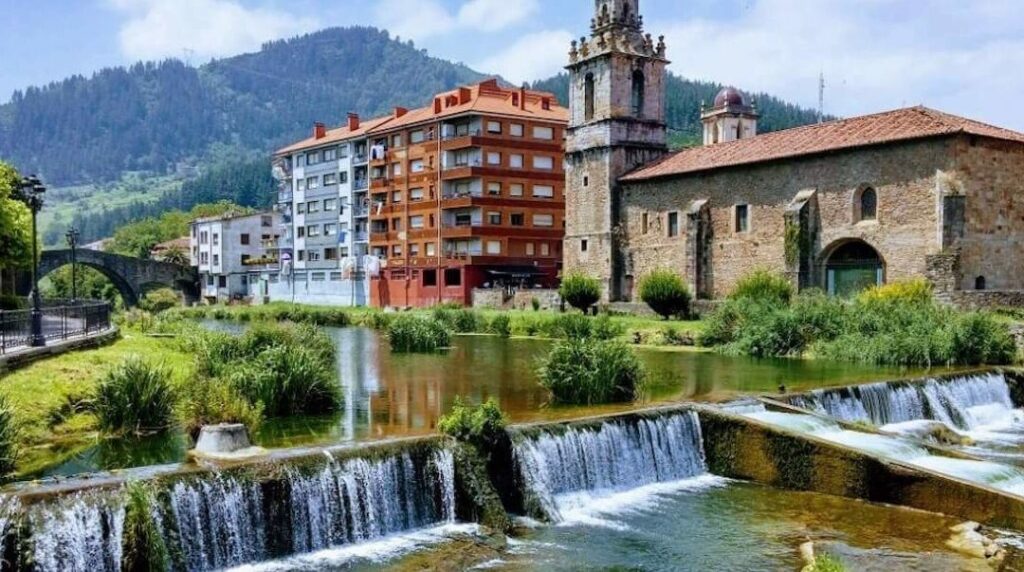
point(62, 320)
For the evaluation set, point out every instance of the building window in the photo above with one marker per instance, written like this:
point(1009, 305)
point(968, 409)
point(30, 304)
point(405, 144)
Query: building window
point(343, 151)
point(544, 220)
point(545, 249)
point(529, 249)
point(516, 129)
point(586, 181)
point(300, 208)
point(452, 277)
point(300, 185)
point(302, 232)
point(673, 224)
point(643, 223)
point(312, 183)
point(493, 247)
point(330, 179)
point(515, 161)
point(979, 283)
point(313, 207)
point(493, 158)
point(431, 249)
point(638, 93)
point(396, 141)
point(216, 260)
point(543, 163)
point(584, 245)
point(330, 229)
point(494, 189)
point(216, 239)
point(543, 192)
point(430, 277)
point(313, 256)
point(396, 169)
point(868, 204)
point(416, 221)
point(244, 239)
point(416, 136)
point(546, 133)
point(302, 255)
point(517, 219)
point(330, 204)
point(222, 281)
point(330, 253)
point(515, 190)
point(494, 127)
point(415, 195)
point(494, 218)
point(313, 158)
point(343, 178)
point(318, 276)
point(742, 218)
point(588, 97)
point(313, 230)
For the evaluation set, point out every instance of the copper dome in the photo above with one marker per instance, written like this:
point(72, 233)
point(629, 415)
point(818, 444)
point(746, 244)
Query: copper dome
point(729, 96)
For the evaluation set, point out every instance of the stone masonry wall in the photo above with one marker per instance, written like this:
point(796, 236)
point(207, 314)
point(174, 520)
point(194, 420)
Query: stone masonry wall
point(905, 232)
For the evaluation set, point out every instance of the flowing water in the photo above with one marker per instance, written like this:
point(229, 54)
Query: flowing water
point(975, 411)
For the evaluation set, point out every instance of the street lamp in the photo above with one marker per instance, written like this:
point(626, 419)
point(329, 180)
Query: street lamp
point(32, 191)
point(72, 238)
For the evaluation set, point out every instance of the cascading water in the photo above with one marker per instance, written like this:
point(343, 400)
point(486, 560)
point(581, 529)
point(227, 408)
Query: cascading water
point(616, 456)
point(212, 522)
point(964, 403)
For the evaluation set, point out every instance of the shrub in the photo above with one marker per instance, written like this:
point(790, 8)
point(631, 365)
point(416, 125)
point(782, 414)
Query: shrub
point(211, 401)
point(501, 325)
point(481, 426)
point(535, 303)
point(289, 380)
point(9, 302)
point(587, 371)
point(604, 328)
point(136, 319)
point(665, 293)
point(826, 563)
point(580, 291)
point(764, 286)
point(673, 337)
point(135, 397)
point(159, 300)
point(572, 326)
point(378, 320)
point(8, 438)
point(413, 334)
point(142, 543)
point(979, 339)
point(916, 291)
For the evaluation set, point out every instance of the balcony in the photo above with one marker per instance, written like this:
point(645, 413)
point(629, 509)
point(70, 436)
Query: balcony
point(360, 184)
point(380, 183)
point(285, 197)
point(464, 164)
point(459, 133)
point(359, 158)
point(362, 236)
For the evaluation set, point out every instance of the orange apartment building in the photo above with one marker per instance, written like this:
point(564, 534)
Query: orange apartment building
point(467, 192)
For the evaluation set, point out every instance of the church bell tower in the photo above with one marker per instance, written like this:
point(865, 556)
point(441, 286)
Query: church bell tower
point(616, 124)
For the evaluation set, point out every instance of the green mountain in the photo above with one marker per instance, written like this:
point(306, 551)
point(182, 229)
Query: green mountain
point(154, 116)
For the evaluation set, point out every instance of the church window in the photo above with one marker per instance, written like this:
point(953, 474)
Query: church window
point(868, 204)
point(673, 224)
point(638, 93)
point(742, 218)
point(588, 97)
point(583, 245)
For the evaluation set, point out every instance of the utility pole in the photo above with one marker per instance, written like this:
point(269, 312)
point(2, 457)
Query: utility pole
point(821, 97)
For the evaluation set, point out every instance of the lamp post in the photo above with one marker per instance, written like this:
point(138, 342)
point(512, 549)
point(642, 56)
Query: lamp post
point(72, 238)
point(32, 191)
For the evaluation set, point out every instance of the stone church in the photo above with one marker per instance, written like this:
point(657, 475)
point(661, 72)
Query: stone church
point(839, 205)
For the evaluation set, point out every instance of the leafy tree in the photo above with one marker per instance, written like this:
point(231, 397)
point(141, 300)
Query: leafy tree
point(15, 222)
point(580, 291)
point(666, 293)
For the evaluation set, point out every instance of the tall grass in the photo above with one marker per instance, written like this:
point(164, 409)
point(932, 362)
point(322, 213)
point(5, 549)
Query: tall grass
point(588, 371)
point(135, 397)
point(415, 334)
point(8, 437)
point(211, 401)
point(143, 546)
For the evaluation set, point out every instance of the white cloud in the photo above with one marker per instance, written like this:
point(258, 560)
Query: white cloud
point(533, 56)
point(206, 28)
point(876, 54)
point(420, 19)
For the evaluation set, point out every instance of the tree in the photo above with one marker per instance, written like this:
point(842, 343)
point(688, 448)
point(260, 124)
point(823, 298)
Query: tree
point(15, 222)
point(580, 291)
point(176, 256)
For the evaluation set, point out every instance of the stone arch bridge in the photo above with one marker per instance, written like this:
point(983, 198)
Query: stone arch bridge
point(131, 276)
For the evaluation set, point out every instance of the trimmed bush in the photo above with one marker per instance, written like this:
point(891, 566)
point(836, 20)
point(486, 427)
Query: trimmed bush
point(588, 371)
point(413, 334)
point(666, 293)
point(160, 300)
point(764, 286)
point(580, 291)
point(143, 547)
point(481, 426)
point(8, 438)
point(135, 397)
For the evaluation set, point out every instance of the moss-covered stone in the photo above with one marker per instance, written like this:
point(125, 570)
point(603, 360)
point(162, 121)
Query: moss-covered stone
point(476, 498)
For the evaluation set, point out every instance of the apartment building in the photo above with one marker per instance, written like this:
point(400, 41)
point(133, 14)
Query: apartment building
point(467, 193)
point(323, 183)
point(422, 206)
point(230, 251)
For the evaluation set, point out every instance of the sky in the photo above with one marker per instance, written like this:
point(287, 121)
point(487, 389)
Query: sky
point(961, 56)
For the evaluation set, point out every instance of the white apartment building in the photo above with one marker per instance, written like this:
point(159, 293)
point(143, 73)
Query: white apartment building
point(231, 251)
point(323, 185)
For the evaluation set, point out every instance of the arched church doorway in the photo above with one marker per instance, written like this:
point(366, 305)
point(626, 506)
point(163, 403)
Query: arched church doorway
point(853, 266)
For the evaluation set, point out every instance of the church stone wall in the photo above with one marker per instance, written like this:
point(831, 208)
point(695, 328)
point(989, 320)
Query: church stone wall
point(905, 232)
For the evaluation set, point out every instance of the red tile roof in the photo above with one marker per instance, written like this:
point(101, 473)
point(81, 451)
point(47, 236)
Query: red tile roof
point(892, 126)
point(335, 135)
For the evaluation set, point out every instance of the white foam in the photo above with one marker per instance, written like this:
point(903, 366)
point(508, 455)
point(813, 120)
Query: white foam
point(377, 551)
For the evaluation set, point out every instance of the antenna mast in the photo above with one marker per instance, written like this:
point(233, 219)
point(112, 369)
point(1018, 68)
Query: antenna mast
point(821, 97)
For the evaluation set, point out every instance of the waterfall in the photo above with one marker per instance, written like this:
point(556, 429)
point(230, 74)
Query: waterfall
point(212, 521)
point(78, 533)
point(617, 455)
point(963, 402)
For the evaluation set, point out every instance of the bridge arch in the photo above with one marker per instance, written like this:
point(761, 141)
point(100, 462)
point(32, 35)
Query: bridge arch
point(131, 276)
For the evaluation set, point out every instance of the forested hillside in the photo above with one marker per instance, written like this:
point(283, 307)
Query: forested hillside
point(152, 116)
point(683, 101)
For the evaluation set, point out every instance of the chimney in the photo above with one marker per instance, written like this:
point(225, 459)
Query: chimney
point(465, 95)
point(400, 111)
point(522, 97)
point(319, 130)
point(437, 105)
point(353, 121)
